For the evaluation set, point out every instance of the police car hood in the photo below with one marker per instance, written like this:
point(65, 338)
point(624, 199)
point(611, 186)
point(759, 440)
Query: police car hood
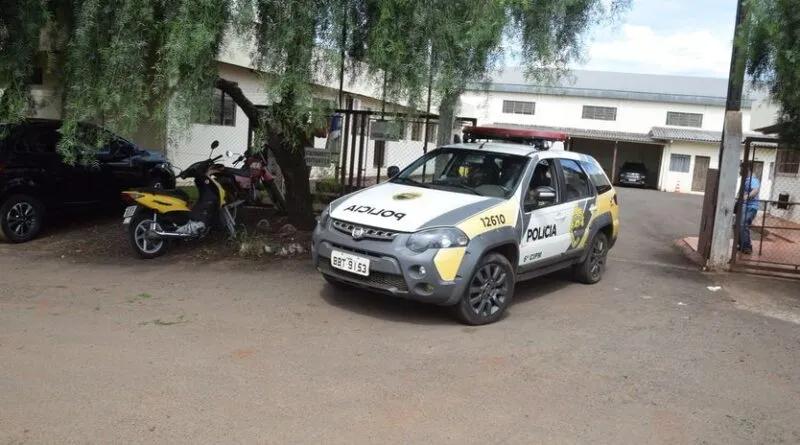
point(407, 208)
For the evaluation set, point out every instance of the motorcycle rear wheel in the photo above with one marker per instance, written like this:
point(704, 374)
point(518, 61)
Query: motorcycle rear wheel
point(137, 237)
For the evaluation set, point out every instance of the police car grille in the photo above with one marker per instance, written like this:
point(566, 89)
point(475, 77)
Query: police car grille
point(369, 232)
point(376, 279)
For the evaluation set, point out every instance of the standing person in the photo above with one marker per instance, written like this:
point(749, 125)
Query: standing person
point(750, 207)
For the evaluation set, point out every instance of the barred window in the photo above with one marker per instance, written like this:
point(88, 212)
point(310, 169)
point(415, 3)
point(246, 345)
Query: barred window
point(684, 119)
point(518, 107)
point(679, 163)
point(788, 161)
point(599, 113)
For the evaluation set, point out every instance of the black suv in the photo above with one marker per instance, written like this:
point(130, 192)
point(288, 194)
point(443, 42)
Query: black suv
point(34, 179)
point(633, 174)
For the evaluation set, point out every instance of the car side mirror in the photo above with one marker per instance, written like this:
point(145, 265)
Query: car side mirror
point(545, 194)
point(393, 171)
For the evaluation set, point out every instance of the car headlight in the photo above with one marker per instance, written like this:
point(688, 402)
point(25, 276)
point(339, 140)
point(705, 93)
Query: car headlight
point(440, 238)
point(322, 220)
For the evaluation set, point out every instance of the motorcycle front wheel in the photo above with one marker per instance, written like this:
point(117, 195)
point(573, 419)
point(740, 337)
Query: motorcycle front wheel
point(144, 245)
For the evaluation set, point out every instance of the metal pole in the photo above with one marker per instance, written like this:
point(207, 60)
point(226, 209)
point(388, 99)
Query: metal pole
point(428, 111)
point(730, 151)
point(342, 55)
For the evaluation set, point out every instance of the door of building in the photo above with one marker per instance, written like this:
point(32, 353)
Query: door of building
point(701, 164)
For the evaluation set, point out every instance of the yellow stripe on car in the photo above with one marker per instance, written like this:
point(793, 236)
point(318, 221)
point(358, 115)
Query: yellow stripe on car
point(447, 262)
point(502, 215)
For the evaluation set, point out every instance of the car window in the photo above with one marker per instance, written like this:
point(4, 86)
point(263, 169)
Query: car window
point(576, 182)
point(599, 179)
point(544, 175)
point(466, 171)
point(34, 139)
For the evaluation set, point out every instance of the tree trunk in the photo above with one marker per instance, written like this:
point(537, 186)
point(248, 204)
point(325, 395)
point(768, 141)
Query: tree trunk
point(447, 110)
point(290, 159)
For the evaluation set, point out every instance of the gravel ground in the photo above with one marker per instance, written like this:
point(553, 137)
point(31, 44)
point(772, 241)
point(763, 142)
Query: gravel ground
point(244, 352)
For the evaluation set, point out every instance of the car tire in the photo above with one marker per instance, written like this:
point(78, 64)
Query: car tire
point(489, 292)
point(139, 222)
point(591, 269)
point(156, 183)
point(21, 218)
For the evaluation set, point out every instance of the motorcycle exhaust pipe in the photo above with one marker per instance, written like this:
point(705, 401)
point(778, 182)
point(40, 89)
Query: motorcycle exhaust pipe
point(169, 235)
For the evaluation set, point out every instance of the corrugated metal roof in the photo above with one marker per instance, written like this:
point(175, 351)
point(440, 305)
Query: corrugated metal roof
point(618, 85)
point(587, 133)
point(656, 135)
point(692, 135)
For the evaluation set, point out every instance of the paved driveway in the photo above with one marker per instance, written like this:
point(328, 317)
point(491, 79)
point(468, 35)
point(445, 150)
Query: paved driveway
point(181, 354)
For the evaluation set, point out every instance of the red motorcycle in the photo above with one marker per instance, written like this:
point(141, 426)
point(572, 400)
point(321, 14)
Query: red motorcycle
point(245, 182)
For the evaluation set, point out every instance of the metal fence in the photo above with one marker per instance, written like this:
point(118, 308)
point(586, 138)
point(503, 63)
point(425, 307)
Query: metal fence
point(769, 217)
point(360, 145)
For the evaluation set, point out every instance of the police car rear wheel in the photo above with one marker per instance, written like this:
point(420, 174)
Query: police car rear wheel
point(591, 270)
point(489, 293)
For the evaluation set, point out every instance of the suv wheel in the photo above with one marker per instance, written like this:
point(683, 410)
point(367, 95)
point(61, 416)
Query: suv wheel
point(156, 183)
point(489, 293)
point(591, 270)
point(21, 218)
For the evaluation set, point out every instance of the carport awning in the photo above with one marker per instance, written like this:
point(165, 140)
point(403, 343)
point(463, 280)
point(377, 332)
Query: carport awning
point(692, 135)
point(607, 135)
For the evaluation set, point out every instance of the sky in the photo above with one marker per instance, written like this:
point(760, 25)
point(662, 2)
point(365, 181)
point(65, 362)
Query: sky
point(685, 37)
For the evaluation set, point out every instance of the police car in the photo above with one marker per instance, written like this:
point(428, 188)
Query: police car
point(462, 224)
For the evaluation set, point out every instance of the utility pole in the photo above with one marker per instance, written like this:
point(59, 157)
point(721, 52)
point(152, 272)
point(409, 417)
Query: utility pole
point(730, 153)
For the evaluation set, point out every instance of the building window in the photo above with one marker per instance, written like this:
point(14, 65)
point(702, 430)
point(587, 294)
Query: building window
point(599, 113)
point(223, 110)
point(432, 127)
point(517, 107)
point(684, 119)
point(416, 131)
point(679, 163)
point(788, 161)
point(37, 77)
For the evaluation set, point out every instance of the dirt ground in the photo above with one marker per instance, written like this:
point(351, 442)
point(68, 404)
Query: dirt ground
point(185, 351)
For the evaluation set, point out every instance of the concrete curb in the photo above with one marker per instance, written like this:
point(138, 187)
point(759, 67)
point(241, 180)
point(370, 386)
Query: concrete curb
point(689, 252)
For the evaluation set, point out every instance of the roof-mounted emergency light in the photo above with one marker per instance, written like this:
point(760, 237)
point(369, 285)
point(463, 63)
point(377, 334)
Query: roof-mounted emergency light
point(541, 140)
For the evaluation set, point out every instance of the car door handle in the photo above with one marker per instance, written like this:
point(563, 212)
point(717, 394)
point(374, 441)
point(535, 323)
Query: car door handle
point(560, 216)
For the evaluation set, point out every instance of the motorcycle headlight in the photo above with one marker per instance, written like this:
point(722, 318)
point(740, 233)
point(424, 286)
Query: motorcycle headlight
point(440, 238)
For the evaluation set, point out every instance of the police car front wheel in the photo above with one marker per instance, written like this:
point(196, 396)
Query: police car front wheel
point(489, 293)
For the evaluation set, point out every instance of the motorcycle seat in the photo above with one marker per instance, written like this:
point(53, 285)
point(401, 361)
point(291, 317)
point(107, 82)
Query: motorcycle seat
point(175, 193)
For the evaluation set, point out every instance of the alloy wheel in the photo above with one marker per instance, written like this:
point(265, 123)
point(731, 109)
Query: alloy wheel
point(21, 219)
point(144, 241)
point(488, 290)
point(597, 259)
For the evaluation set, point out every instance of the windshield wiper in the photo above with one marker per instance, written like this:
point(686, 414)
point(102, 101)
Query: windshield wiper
point(462, 186)
point(410, 181)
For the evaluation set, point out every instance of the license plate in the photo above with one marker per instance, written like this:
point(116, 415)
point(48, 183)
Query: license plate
point(129, 211)
point(350, 263)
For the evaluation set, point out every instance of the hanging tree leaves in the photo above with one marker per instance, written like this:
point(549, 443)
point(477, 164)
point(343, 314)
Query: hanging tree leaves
point(123, 62)
point(772, 42)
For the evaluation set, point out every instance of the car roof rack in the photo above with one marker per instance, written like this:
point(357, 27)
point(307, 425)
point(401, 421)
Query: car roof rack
point(535, 138)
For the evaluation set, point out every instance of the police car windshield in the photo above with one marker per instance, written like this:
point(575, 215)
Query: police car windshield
point(465, 171)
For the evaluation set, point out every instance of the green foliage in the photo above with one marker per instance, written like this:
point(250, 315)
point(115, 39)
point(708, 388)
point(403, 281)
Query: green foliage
point(122, 62)
point(772, 42)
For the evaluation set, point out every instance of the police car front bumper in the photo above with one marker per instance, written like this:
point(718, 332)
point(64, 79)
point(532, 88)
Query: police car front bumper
point(393, 268)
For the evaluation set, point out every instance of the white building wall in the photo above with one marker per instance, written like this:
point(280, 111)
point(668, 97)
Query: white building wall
point(672, 181)
point(566, 111)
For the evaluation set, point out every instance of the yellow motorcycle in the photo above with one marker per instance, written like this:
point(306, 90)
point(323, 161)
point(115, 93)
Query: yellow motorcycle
point(157, 216)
